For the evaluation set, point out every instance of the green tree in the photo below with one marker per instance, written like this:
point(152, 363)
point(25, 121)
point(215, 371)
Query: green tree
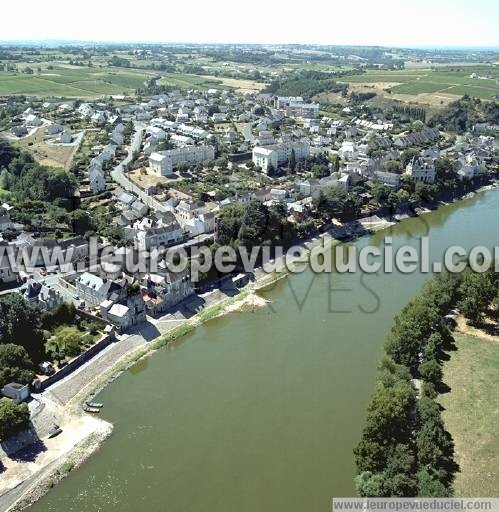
point(15, 365)
point(81, 222)
point(13, 418)
point(67, 340)
point(431, 371)
point(19, 324)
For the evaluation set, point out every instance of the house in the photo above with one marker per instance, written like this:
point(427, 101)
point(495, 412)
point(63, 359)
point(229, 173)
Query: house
point(65, 138)
point(139, 208)
point(125, 199)
point(348, 150)
point(421, 170)
point(164, 291)
point(126, 313)
point(7, 273)
point(53, 129)
point(159, 236)
point(85, 110)
point(49, 298)
point(265, 138)
point(390, 179)
point(219, 117)
point(203, 223)
point(19, 131)
point(94, 290)
point(17, 392)
point(277, 194)
point(99, 117)
point(97, 179)
point(302, 109)
point(33, 120)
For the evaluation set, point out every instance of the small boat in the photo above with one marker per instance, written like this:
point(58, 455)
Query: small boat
point(88, 408)
point(94, 404)
point(56, 430)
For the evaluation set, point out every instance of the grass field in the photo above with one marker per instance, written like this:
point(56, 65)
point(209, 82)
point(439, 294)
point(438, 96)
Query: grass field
point(442, 82)
point(472, 414)
point(54, 155)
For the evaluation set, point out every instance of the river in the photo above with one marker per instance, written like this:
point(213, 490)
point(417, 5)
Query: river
point(260, 411)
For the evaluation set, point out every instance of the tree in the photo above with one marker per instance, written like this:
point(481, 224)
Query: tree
point(393, 166)
point(431, 371)
point(370, 484)
point(292, 161)
point(67, 340)
point(63, 314)
point(60, 184)
point(407, 156)
point(81, 222)
point(13, 418)
point(477, 292)
point(430, 487)
point(19, 324)
point(15, 365)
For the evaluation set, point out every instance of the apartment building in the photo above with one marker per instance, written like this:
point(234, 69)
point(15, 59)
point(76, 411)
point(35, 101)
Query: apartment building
point(164, 162)
point(270, 157)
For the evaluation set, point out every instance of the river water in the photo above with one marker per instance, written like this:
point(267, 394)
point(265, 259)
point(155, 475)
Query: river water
point(260, 411)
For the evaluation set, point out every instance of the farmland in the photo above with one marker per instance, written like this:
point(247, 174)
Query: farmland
point(84, 82)
point(420, 84)
point(73, 81)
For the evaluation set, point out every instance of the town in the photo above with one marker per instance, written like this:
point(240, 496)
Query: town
point(188, 167)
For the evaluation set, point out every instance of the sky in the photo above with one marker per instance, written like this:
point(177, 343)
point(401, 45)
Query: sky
point(415, 23)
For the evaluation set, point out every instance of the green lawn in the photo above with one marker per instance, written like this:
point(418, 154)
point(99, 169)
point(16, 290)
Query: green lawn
point(472, 414)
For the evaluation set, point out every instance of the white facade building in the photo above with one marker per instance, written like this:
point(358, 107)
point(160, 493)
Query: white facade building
point(163, 163)
point(278, 154)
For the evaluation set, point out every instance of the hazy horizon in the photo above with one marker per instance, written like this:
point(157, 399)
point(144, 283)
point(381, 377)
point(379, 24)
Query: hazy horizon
point(427, 24)
point(58, 41)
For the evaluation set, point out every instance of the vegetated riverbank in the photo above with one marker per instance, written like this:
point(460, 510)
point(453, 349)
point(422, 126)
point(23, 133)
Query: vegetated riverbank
point(405, 448)
point(180, 331)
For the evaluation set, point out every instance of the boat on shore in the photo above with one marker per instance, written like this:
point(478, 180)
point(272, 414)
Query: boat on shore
point(56, 430)
point(97, 405)
point(88, 408)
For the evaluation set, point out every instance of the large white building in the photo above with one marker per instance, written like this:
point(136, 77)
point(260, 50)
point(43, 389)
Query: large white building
point(295, 106)
point(421, 170)
point(163, 163)
point(270, 157)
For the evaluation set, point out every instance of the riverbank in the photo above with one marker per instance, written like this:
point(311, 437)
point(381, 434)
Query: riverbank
point(222, 306)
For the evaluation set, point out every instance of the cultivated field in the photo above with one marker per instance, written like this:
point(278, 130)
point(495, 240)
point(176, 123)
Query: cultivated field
point(69, 81)
point(472, 413)
point(208, 82)
point(443, 83)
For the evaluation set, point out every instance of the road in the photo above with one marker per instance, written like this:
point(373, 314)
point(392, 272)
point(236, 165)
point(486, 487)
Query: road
point(246, 130)
point(119, 175)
